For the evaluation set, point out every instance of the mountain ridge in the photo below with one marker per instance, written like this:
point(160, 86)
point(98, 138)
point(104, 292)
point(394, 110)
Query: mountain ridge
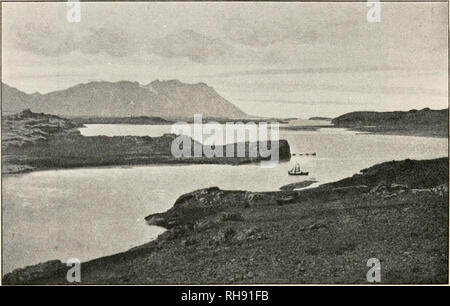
point(170, 98)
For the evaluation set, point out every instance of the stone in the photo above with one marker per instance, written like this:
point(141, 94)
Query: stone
point(224, 235)
point(24, 275)
point(229, 216)
point(316, 226)
point(204, 225)
point(253, 233)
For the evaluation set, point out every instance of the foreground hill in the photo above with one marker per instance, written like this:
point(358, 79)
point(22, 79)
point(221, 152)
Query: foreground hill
point(321, 235)
point(425, 122)
point(123, 99)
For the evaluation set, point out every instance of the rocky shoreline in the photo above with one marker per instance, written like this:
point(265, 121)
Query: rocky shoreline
point(395, 211)
point(298, 185)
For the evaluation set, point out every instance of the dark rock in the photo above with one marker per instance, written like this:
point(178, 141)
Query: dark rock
point(229, 216)
point(441, 190)
point(202, 204)
point(253, 233)
point(189, 241)
point(389, 191)
point(157, 220)
point(316, 226)
point(30, 273)
point(223, 235)
point(205, 225)
point(298, 185)
point(357, 188)
point(287, 200)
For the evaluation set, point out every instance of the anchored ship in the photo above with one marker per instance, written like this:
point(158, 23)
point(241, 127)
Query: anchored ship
point(297, 171)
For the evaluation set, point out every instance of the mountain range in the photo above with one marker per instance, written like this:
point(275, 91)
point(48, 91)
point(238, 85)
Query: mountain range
point(167, 99)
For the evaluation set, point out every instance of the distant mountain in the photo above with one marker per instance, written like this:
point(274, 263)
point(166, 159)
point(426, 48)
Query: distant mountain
point(123, 99)
point(424, 122)
point(14, 100)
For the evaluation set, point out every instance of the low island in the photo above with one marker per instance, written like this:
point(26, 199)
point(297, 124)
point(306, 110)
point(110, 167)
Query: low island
point(425, 122)
point(37, 141)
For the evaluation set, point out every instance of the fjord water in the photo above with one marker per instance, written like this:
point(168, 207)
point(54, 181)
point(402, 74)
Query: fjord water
point(92, 212)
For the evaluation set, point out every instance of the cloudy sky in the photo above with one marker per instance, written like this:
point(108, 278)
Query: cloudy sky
point(270, 59)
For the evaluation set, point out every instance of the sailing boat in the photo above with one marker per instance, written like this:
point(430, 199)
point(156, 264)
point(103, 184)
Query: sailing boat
point(297, 171)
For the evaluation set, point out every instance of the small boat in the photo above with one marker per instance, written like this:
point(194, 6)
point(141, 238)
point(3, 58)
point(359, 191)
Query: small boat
point(297, 171)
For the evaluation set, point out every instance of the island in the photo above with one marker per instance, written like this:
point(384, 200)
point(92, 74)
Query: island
point(425, 122)
point(38, 141)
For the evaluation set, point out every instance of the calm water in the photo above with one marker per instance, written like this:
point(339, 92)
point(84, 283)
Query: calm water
point(92, 212)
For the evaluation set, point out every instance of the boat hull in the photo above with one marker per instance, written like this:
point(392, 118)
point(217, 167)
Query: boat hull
point(298, 173)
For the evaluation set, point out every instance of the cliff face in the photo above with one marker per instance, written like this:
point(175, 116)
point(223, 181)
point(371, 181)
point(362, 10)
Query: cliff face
point(124, 99)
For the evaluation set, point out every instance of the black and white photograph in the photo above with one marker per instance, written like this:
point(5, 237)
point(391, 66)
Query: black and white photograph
point(224, 143)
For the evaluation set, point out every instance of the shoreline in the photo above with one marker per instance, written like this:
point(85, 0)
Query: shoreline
point(396, 133)
point(129, 166)
point(212, 234)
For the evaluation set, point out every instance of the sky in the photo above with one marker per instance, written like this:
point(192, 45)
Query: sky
point(270, 59)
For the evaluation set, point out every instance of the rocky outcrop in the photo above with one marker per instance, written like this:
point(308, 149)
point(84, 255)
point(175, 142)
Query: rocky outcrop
point(298, 185)
point(394, 190)
point(411, 173)
point(192, 208)
point(203, 208)
point(229, 235)
point(27, 274)
point(389, 191)
point(27, 128)
point(441, 190)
